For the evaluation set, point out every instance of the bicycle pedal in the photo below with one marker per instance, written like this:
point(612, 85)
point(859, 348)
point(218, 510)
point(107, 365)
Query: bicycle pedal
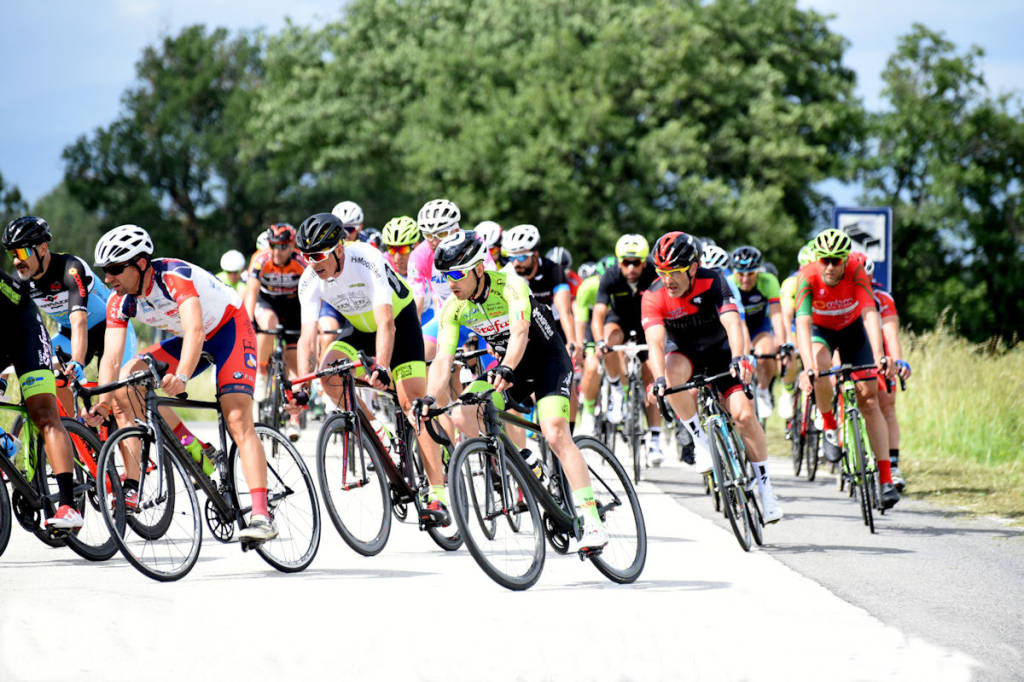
point(585, 553)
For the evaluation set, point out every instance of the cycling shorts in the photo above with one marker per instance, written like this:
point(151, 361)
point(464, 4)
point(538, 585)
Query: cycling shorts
point(287, 310)
point(62, 341)
point(627, 326)
point(232, 349)
point(709, 362)
point(29, 351)
point(852, 343)
point(547, 377)
point(407, 356)
point(764, 328)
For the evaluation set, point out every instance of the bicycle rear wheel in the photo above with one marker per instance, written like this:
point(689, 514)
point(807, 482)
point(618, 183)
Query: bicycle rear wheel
point(497, 514)
point(355, 488)
point(291, 500)
point(796, 436)
point(731, 491)
point(92, 541)
point(864, 481)
point(167, 502)
point(623, 558)
point(5, 517)
point(635, 428)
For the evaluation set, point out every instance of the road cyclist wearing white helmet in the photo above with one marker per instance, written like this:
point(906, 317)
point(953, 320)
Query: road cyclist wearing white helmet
point(490, 232)
point(232, 270)
point(205, 319)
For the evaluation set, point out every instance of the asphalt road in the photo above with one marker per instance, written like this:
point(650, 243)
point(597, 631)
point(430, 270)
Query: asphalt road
point(931, 596)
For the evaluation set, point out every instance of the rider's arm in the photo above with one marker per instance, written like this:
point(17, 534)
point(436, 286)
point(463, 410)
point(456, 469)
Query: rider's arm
point(309, 312)
point(891, 336)
point(563, 304)
point(735, 328)
point(79, 335)
point(597, 323)
point(775, 313)
point(437, 379)
point(385, 319)
point(304, 352)
point(519, 332)
point(252, 290)
point(191, 311)
point(655, 335)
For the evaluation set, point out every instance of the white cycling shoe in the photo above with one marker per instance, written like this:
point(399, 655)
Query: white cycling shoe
point(702, 456)
point(585, 425)
point(616, 398)
point(655, 453)
point(770, 509)
point(764, 402)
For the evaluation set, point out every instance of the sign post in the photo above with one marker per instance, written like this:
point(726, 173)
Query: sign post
point(871, 232)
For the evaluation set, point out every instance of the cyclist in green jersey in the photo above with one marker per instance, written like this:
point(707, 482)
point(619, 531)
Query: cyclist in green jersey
point(498, 307)
point(787, 301)
point(590, 384)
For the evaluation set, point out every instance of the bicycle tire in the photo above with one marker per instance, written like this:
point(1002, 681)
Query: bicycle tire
point(291, 500)
point(93, 541)
point(622, 560)
point(730, 490)
point(6, 512)
point(812, 449)
point(445, 537)
point(796, 436)
point(171, 554)
point(864, 483)
point(752, 506)
point(356, 492)
point(468, 469)
point(635, 430)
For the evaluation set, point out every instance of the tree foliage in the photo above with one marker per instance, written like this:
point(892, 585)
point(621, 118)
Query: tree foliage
point(12, 205)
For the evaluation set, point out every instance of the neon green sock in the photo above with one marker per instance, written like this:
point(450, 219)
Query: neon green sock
point(439, 493)
point(588, 406)
point(788, 388)
point(585, 502)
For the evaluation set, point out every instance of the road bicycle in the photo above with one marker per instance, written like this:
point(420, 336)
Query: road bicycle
point(804, 434)
point(271, 406)
point(363, 481)
point(505, 511)
point(731, 479)
point(33, 497)
point(162, 536)
point(634, 426)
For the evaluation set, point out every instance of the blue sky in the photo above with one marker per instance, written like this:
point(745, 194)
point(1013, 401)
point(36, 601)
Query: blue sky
point(65, 63)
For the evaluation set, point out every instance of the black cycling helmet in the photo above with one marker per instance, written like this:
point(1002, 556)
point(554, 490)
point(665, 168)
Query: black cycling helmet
point(25, 232)
point(746, 259)
point(770, 269)
point(319, 232)
point(675, 250)
point(460, 251)
point(560, 255)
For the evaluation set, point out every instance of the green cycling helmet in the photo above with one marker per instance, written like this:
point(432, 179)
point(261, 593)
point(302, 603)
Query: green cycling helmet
point(605, 264)
point(833, 244)
point(632, 246)
point(400, 231)
point(807, 254)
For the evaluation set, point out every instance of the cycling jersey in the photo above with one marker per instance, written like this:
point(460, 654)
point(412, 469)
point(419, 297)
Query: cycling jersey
point(692, 321)
point(586, 297)
point(426, 280)
point(174, 282)
point(365, 282)
point(238, 286)
point(67, 286)
point(623, 297)
point(28, 349)
point(834, 307)
point(548, 280)
point(574, 281)
point(884, 300)
point(757, 301)
point(277, 280)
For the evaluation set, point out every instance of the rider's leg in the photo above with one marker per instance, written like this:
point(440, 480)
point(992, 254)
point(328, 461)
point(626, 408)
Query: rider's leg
point(745, 417)
point(878, 430)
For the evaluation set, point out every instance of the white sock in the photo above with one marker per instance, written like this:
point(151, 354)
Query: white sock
point(763, 482)
point(696, 430)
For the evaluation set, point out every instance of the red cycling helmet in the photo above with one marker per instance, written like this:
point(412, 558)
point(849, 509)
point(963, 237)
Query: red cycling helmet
point(675, 250)
point(281, 233)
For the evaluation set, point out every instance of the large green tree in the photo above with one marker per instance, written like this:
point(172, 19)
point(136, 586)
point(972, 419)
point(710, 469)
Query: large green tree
point(12, 205)
point(949, 158)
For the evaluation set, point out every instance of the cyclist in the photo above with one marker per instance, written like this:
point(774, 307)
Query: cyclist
point(351, 216)
point(546, 279)
point(616, 314)
point(490, 232)
point(586, 297)
point(693, 327)
point(714, 257)
point(205, 319)
point(232, 267)
point(787, 301)
point(400, 237)
point(561, 255)
point(835, 310)
point(498, 306)
point(66, 290)
point(272, 300)
point(357, 281)
point(759, 293)
point(887, 398)
point(373, 238)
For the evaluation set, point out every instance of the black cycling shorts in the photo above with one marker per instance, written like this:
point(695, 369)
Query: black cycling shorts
point(709, 362)
point(287, 309)
point(851, 342)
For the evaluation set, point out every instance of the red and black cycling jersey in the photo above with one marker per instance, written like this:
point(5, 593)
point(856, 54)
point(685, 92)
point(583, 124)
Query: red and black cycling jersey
point(623, 297)
point(693, 320)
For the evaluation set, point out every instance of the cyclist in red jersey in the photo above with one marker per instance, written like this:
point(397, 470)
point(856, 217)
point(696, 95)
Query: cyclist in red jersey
point(205, 317)
point(836, 311)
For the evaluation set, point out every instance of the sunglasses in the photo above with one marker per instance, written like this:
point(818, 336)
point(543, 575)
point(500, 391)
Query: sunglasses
point(456, 275)
point(441, 234)
point(669, 273)
point(832, 260)
point(20, 254)
point(319, 256)
point(115, 269)
point(633, 262)
point(280, 247)
point(520, 258)
point(400, 250)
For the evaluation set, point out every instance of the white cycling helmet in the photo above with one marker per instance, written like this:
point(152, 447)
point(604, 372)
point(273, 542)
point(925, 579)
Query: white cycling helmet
point(869, 266)
point(490, 232)
point(520, 238)
point(714, 257)
point(438, 215)
point(263, 241)
point(232, 261)
point(349, 213)
point(122, 244)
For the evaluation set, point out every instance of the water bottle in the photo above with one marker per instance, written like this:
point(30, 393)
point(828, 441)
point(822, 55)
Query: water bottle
point(384, 436)
point(533, 461)
point(9, 443)
point(195, 449)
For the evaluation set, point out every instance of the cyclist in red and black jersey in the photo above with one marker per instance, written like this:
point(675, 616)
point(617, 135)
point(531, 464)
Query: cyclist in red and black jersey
point(693, 327)
point(836, 311)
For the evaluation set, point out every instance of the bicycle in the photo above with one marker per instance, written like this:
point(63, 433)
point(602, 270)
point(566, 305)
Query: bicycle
point(804, 434)
point(163, 536)
point(858, 466)
point(505, 511)
point(633, 429)
point(731, 478)
point(32, 499)
point(362, 485)
point(271, 407)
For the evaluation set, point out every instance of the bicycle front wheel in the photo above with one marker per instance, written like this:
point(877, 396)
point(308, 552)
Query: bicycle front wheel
point(166, 502)
point(864, 481)
point(731, 491)
point(291, 500)
point(796, 437)
point(5, 517)
point(93, 541)
point(497, 514)
point(355, 488)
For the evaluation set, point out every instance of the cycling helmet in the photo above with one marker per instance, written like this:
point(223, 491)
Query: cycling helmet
point(262, 241)
point(438, 215)
point(869, 266)
point(25, 232)
point(833, 244)
point(520, 238)
point(588, 269)
point(122, 244)
point(373, 237)
point(806, 254)
point(459, 251)
point(560, 255)
point(675, 250)
point(746, 259)
point(281, 233)
point(770, 268)
point(349, 213)
point(319, 232)
point(490, 232)
point(605, 263)
point(400, 231)
point(232, 261)
point(714, 257)
point(632, 246)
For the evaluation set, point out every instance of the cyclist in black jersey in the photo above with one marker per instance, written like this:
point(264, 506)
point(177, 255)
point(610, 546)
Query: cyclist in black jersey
point(29, 351)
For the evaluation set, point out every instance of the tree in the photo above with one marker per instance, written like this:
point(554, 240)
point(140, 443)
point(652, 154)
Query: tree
point(75, 230)
point(948, 158)
point(12, 205)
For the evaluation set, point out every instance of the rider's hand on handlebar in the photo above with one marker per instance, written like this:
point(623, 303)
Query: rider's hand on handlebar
point(886, 366)
point(742, 368)
point(502, 378)
point(420, 408)
point(96, 414)
point(903, 369)
point(172, 384)
point(74, 370)
point(379, 377)
point(656, 390)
